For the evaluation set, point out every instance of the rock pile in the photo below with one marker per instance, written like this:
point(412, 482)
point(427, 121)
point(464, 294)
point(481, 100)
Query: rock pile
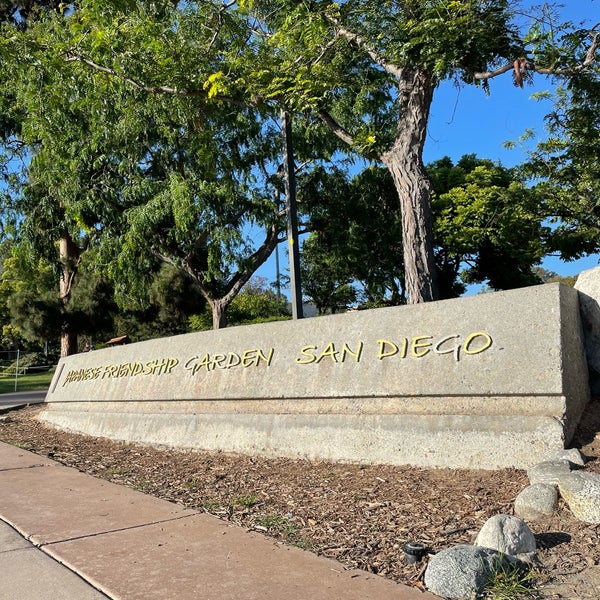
point(464, 571)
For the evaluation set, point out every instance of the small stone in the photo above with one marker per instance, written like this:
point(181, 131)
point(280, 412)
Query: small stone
point(507, 535)
point(548, 471)
point(460, 571)
point(581, 492)
point(536, 501)
point(573, 455)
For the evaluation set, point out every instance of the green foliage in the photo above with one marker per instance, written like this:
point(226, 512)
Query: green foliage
point(171, 300)
point(23, 12)
point(308, 63)
point(29, 286)
point(487, 226)
point(487, 220)
point(276, 523)
point(256, 303)
point(567, 171)
point(247, 501)
point(152, 177)
point(552, 277)
point(11, 338)
point(356, 242)
point(149, 131)
point(326, 282)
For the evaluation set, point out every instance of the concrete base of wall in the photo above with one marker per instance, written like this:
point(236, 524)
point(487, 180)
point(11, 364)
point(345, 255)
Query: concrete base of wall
point(422, 440)
point(489, 381)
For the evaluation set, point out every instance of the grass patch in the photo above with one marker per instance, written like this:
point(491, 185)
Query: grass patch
point(245, 501)
point(276, 524)
point(281, 525)
point(110, 473)
point(210, 506)
point(25, 383)
point(510, 581)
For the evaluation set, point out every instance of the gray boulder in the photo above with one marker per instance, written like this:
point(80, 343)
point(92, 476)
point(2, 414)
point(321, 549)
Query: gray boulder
point(461, 571)
point(573, 455)
point(548, 471)
point(507, 535)
point(581, 492)
point(536, 501)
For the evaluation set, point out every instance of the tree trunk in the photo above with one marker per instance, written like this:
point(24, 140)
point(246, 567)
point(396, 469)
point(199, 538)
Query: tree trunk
point(219, 312)
point(226, 293)
point(68, 341)
point(69, 258)
point(405, 163)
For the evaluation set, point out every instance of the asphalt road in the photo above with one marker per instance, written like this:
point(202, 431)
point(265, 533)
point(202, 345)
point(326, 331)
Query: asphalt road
point(17, 399)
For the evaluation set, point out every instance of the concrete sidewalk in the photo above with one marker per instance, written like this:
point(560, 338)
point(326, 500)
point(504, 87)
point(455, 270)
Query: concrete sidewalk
point(133, 546)
point(27, 573)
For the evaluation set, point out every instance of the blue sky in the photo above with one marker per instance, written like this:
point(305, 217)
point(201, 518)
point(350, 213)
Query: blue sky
point(464, 120)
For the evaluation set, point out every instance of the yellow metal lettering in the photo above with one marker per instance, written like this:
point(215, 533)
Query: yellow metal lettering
point(329, 351)
point(347, 350)
point(486, 343)
point(418, 342)
point(266, 358)
point(311, 357)
point(249, 358)
point(233, 361)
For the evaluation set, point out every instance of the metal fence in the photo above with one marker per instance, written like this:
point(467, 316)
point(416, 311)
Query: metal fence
point(12, 367)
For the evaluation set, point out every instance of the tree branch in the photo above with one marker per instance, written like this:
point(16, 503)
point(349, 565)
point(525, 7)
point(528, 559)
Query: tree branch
point(335, 127)
point(360, 42)
point(237, 282)
point(161, 89)
point(590, 58)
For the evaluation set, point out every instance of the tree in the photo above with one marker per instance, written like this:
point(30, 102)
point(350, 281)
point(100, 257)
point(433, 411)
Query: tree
point(172, 300)
point(566, 171)
point(488, 225)
point(29, 287)
point(369, 71)
point(152, 178)
point(34, 145)
point(327, 282)
point(356, 240)
point(487, 228)
point(256, 303)
point(552, 277)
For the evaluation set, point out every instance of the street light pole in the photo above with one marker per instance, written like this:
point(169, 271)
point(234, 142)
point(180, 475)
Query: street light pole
point(289, 182)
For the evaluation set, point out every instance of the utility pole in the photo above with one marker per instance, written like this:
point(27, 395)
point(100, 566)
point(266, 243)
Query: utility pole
point(289, 182)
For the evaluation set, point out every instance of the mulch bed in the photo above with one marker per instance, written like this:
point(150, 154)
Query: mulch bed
point(357, 514)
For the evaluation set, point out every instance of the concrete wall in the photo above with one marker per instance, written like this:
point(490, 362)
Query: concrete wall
point(487, 381)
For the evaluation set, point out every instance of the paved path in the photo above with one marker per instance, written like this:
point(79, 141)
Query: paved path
point(18, 399)
point(26, 573)
point(132, 546)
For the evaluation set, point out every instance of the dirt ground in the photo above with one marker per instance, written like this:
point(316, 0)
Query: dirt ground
point(359, 515)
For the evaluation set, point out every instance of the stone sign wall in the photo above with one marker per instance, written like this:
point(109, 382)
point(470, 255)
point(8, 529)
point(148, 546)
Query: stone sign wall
point(486, 381)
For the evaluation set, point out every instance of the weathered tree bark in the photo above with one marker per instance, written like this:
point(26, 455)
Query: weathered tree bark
point(405, 163)
point(69, 254)
point(218, 308)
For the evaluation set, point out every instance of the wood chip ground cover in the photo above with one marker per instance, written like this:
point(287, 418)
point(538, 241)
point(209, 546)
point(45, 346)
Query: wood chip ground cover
point(357, 514)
